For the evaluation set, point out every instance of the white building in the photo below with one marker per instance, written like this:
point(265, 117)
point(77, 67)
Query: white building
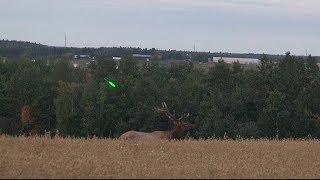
point(83, 56)
point(141, 56)
point(230, 60)
point(116, 58)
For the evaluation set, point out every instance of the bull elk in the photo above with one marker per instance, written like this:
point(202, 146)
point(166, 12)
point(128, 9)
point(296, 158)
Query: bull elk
point(181, 127)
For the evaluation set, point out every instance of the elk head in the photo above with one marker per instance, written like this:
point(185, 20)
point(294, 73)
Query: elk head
point(181, 126)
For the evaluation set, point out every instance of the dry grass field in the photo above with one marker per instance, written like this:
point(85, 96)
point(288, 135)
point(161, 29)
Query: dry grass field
point(35, 157)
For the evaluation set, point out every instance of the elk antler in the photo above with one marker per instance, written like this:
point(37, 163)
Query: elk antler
point(184, 116)
point(164, 109)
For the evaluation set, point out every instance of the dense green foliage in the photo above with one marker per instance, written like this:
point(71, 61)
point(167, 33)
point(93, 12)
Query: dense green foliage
point(275, 100)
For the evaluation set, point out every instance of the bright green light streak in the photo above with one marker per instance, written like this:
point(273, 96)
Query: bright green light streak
point(112, 84)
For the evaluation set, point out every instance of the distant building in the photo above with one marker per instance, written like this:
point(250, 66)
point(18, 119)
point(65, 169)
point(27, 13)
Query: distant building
point(230, 60)
point(141, 57)
point(83, 56)
point(116, 58)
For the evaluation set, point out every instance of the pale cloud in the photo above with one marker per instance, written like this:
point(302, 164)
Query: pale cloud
point(268, 7)
point(273, 26)
point(255, 7)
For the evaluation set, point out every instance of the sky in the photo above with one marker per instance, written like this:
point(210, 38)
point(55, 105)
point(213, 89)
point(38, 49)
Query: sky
point(235, 26)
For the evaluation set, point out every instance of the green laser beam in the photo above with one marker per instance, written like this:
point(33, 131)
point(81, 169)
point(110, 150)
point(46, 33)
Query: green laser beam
point(112, 84)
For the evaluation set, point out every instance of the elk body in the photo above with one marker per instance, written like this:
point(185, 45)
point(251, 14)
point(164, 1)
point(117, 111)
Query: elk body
point(181, 127)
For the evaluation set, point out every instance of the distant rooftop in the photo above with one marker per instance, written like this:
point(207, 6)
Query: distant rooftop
point(116, 58)
point(231, 60)
point(83, 56)
point(141, 55)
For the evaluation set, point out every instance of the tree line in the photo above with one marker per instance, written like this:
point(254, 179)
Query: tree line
point(279, 99)
point(17, 50)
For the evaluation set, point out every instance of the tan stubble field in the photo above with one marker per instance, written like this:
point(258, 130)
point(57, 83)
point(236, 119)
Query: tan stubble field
point(43, 157)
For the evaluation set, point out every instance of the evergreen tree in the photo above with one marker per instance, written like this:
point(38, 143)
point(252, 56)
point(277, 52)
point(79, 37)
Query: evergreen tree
point(68, 109)
point(274, 120)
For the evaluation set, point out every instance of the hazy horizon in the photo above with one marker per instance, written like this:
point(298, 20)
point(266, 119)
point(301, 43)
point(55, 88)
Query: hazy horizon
point(234, 26)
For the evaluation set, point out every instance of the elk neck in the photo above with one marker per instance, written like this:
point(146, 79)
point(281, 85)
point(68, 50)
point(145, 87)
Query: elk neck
point(176, 133)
